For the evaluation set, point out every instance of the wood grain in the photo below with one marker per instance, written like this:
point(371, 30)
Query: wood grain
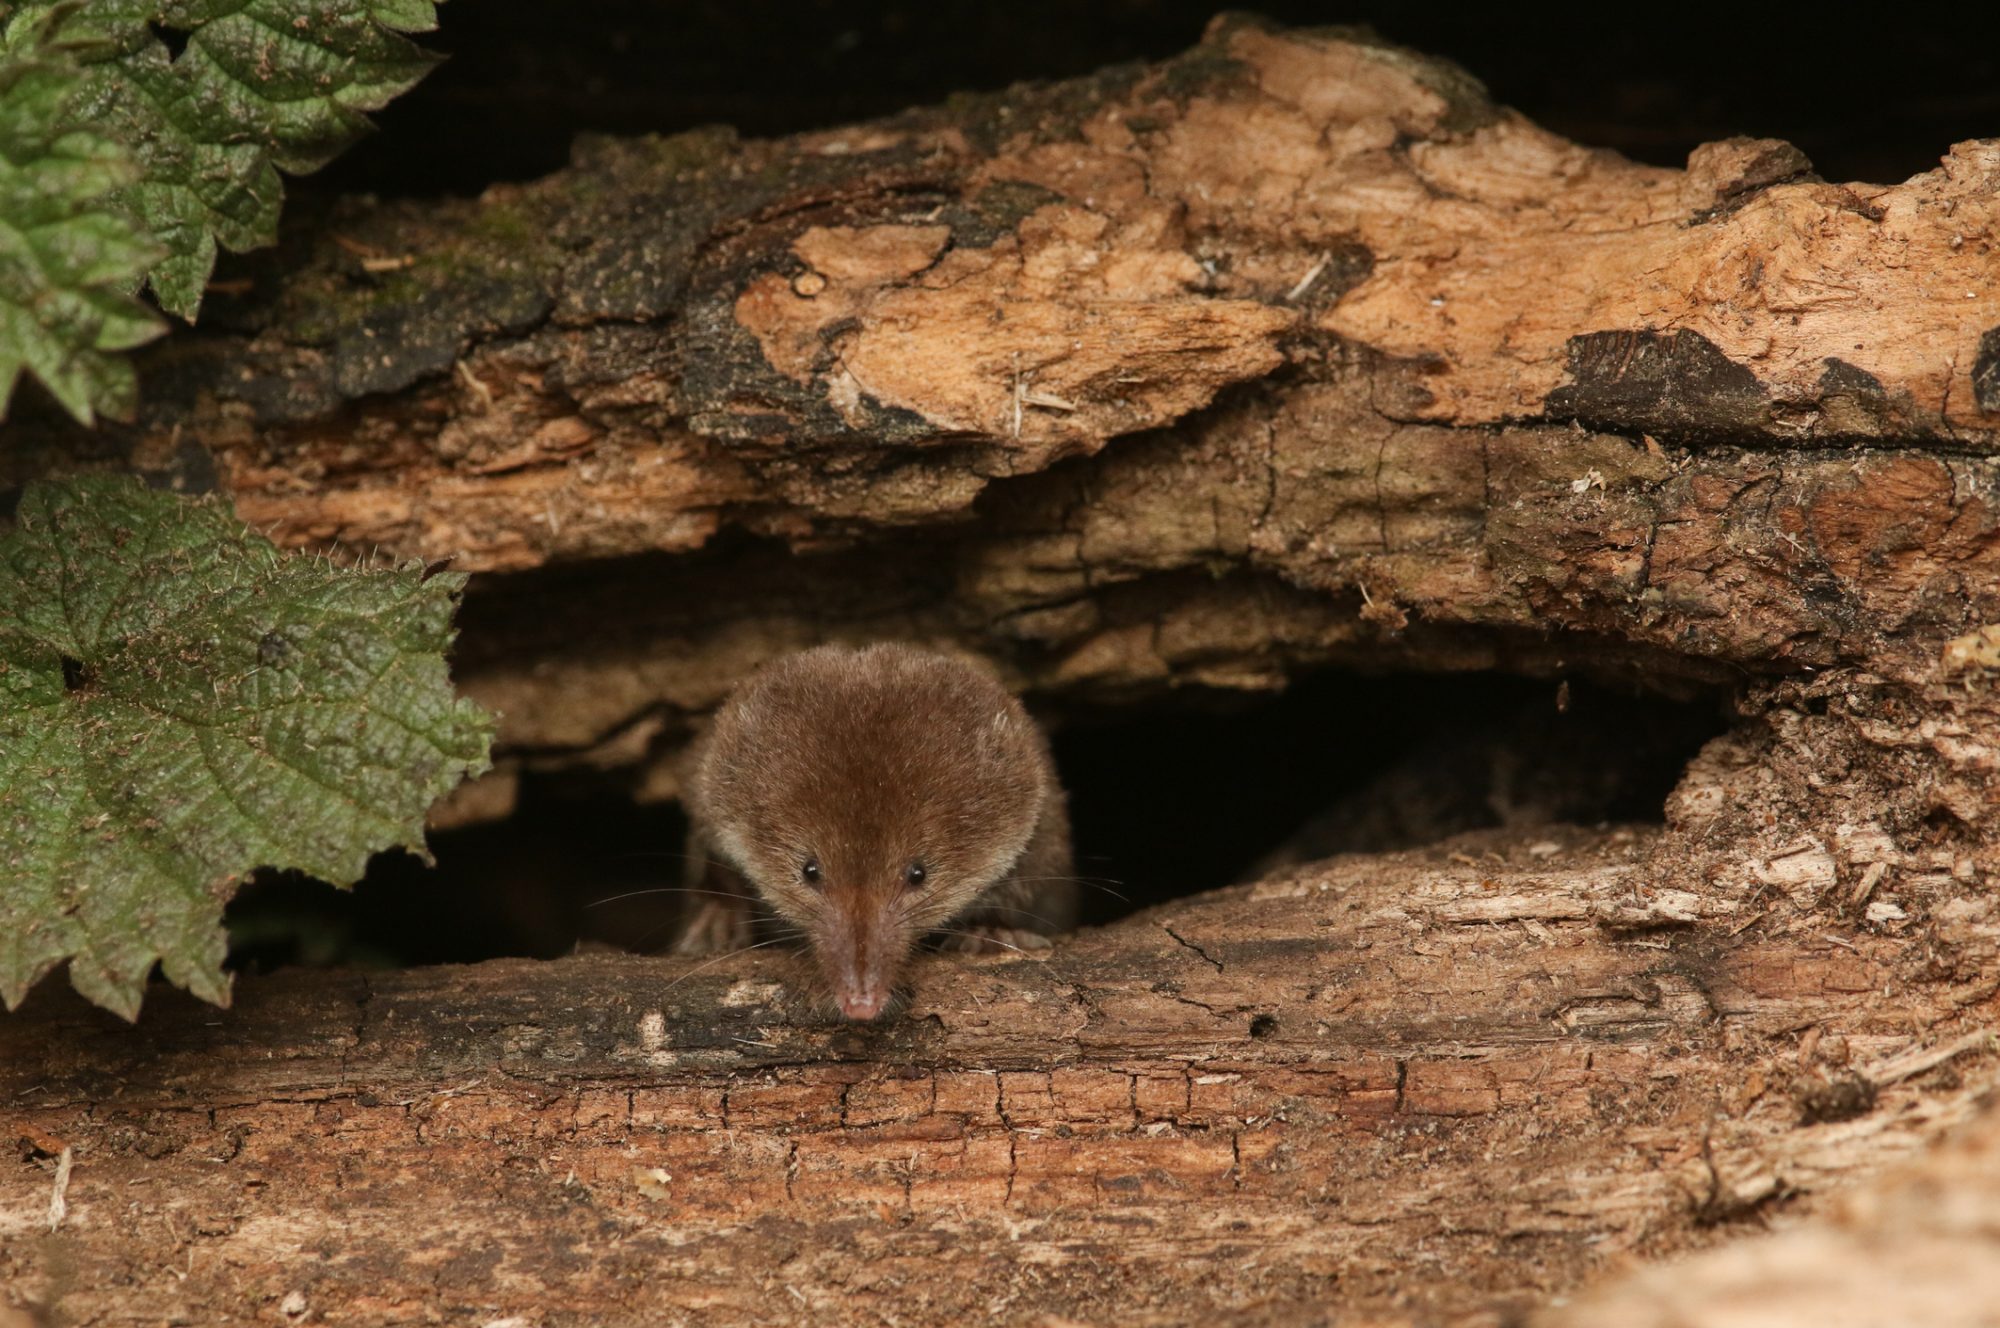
point(1420, 1088)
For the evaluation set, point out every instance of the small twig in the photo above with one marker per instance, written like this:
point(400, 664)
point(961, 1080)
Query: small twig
point(1866, 885)
point(480, 391)
point(373, 259)
point(1910, 1063)
point(1297, 292)
point(434, 1096)
point(1019, 391)
point(180, 1275)
point(59, 1197)
point(1751, 921)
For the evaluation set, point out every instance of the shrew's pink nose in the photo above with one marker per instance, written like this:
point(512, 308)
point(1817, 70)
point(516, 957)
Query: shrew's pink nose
point(857, 1003)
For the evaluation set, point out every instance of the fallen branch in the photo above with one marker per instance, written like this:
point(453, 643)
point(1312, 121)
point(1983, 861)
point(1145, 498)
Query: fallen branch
point(1274, 1094)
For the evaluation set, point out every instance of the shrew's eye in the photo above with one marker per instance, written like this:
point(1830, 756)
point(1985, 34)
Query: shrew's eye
point(810, 871)
point(914, 875)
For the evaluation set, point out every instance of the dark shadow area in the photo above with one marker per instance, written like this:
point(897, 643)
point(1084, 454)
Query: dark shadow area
point(578, 862)
point(1166, 802)
point(1868, 92)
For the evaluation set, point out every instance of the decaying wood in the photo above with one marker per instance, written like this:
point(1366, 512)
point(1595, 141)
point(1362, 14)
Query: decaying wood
point(1293, 351)
point(1919, 1246)
point(1426, 1088)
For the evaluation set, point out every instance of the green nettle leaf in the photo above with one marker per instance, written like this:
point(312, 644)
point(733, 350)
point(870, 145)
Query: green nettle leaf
point(257, 86)
point(120, 117)
point(70, 255)
point(181, 703)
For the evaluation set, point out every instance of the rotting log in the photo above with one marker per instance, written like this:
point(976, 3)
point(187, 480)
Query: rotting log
point(1920, 1245)
point(1434, 1087)
point(1293, 351)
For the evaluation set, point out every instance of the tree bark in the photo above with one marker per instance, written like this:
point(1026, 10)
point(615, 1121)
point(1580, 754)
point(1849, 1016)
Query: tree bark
point(1293, 351)
point(1431, 1088)
point(1920, 1245)
point(1296, 349)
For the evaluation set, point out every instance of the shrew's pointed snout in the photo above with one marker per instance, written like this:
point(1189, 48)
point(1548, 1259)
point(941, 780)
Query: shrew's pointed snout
point(861, 958)
point(859, 1002)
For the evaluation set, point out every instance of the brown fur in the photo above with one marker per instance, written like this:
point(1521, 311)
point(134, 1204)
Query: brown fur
point(866, 762)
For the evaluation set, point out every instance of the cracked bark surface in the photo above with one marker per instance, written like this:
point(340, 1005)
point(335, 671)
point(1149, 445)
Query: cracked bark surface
point(1433, 1087)
point(1294, 351)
